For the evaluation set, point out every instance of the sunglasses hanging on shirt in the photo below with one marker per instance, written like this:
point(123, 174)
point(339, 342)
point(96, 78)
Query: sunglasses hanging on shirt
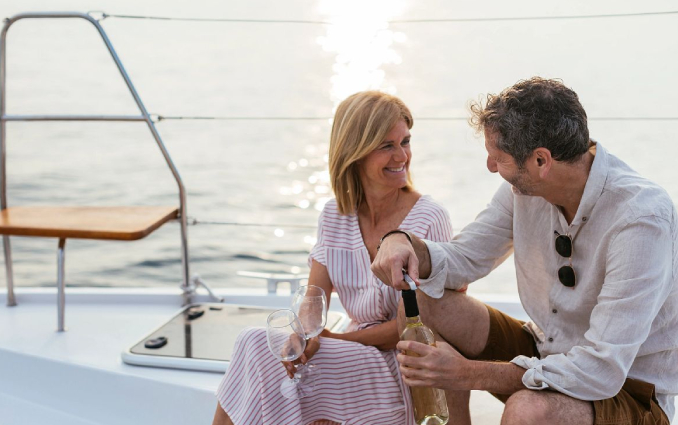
point(564, 247)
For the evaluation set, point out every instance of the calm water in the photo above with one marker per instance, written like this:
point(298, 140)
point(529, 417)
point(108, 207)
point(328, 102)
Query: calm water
point(274, 171)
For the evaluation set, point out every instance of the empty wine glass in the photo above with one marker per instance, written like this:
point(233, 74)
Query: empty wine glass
point(310, 305)
point(287, 341)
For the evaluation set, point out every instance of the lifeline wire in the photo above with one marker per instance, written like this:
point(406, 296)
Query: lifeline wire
point(401, 21)
point(159, 118)
point(194, 221)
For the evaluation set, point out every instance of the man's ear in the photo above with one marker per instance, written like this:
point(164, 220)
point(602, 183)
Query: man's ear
point(543, 161)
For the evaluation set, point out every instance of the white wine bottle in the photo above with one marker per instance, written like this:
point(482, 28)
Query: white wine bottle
point(430, 405)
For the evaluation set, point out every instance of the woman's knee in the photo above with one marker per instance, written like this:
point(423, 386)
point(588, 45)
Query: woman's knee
point(249, 338)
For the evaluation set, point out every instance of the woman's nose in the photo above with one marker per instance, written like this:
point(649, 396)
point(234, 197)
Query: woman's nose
point(400, 154)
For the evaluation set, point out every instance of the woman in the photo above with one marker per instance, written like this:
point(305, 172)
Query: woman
point(358, 381)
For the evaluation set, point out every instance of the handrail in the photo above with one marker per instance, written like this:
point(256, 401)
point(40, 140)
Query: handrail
point(187, 285)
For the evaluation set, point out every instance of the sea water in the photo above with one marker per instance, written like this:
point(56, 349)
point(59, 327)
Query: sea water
point(274, 172)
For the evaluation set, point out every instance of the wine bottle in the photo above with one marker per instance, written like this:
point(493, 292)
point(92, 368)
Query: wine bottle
point(430, 405)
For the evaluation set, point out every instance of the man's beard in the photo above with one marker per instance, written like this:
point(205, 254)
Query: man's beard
point(521, 185)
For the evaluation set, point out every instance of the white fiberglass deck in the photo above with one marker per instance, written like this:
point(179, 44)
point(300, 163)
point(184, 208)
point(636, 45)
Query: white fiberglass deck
point(77, 377)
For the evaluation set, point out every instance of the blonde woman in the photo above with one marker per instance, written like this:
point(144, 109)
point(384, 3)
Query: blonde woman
point(359, 381)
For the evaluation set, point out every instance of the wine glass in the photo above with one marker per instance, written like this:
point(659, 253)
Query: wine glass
point(310, 305)
point(287, 341)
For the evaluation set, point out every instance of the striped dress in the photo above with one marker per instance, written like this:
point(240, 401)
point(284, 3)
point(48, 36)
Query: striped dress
point(357, 384)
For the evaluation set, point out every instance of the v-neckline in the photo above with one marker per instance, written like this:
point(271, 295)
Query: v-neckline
point(360, 232)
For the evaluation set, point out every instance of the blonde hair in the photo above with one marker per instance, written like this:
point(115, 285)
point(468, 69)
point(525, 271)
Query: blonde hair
point(360, 125)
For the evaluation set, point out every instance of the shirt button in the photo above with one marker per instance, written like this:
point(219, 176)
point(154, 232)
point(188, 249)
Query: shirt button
point(550, 339)
point(554, 311)
point(584, 218)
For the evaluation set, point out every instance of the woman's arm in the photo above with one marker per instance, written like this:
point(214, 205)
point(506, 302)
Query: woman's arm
point(319, 276)
point(383, 336)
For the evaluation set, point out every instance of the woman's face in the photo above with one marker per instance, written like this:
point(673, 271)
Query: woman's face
point(386, 167)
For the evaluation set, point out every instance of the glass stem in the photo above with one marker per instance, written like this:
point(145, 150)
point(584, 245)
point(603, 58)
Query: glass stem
point(299, 373)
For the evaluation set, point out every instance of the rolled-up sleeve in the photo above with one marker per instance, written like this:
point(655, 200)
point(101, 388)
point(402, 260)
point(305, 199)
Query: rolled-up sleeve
point(638, 278)
point(476, 250)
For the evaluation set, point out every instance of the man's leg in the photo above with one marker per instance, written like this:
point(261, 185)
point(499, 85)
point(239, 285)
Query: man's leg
point(458, 407)
point(463, 322)
point(459, 319)
point(528, 407)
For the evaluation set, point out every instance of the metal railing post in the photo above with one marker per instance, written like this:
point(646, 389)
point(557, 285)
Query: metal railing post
point(61, 285)
point(187, 285)
point(11, 299)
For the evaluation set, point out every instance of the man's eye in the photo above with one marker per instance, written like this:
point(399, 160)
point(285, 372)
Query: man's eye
point(405, 142)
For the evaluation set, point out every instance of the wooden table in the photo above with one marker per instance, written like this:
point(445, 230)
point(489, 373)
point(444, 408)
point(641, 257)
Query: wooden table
point(102, 223)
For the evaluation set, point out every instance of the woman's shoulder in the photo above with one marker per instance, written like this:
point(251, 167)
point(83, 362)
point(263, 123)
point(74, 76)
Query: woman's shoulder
point(331, 211)
point(429, 220)
point(332, 219)
point(427, 209)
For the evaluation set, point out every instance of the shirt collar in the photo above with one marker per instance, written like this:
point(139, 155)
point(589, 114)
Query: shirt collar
point(594, 186)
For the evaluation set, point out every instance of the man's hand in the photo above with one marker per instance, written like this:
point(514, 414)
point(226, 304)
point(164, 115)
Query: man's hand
point(395, 254)
point(438, 367)
point(312, 347)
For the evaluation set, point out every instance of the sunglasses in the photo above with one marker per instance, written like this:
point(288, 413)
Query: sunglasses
point(566, 274)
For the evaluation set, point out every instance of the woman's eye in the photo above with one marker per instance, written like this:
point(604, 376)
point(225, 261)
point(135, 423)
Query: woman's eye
point(385, 147)
point(405, 142)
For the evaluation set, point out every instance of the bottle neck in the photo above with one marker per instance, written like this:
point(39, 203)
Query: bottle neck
point(413, 321)
point(410, 303)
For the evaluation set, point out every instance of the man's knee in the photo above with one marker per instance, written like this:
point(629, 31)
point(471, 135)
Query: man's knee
point(525, 407)
point(437, 311)
point(529, 407)
point(459, 319)
point(400, 317)
point(434, 312)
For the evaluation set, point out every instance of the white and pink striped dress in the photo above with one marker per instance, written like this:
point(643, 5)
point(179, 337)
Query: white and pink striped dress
point(358, 384)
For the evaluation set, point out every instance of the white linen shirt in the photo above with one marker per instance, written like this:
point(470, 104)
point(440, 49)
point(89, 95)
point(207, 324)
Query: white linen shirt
point(621, 318)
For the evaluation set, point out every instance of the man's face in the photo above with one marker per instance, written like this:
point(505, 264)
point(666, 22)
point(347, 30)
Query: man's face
point(500, 162)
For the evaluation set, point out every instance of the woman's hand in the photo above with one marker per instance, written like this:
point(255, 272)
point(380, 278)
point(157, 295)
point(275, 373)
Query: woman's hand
point(383, 336)
point(312, 346)
point(326, 333)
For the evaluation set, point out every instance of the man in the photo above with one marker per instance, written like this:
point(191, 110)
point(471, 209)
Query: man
point(596, 255)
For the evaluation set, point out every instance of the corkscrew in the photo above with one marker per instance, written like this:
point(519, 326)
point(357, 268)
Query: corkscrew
point(409, 281)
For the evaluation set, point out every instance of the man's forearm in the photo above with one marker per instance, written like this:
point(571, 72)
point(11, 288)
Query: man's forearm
point(495, 377)
point(421, 250)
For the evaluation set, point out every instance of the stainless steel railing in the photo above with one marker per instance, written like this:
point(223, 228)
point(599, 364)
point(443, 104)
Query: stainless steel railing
point(188, 285)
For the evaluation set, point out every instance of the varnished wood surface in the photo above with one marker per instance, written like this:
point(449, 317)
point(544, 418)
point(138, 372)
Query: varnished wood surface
point(111, 223)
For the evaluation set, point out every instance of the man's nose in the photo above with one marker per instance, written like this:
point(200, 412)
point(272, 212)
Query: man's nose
point(491, 165)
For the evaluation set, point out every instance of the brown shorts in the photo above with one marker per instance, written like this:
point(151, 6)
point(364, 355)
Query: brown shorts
point(635, 404)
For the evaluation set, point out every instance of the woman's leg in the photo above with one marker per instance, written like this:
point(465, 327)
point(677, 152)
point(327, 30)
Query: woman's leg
point(221, 417)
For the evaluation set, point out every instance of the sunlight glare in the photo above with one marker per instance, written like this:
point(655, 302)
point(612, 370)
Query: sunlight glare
point(362, 42)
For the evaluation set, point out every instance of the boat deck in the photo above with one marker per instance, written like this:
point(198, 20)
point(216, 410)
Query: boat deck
point(78, 377)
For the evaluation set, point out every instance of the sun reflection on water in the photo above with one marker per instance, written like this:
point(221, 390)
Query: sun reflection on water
point(362, 43)
point(360, 37)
